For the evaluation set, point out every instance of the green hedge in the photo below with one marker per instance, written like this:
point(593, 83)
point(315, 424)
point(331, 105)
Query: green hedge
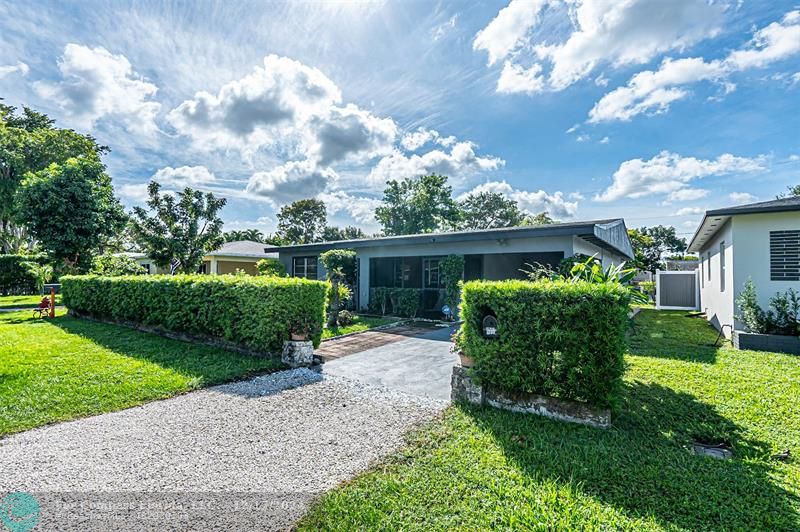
point(556, 338)
point(255, 312)
point(15, 279)
point(405, 302)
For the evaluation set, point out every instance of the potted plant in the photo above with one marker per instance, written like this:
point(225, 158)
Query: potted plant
point(300, 330)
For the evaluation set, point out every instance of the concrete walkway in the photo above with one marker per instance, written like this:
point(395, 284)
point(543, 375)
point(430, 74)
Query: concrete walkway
point(420, 365)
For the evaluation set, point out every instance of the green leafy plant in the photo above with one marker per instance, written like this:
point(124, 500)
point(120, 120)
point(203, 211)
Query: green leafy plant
point(271, 268)
point(451, 269)
point(379, 302)
point(559, 338)
point(340, 270)
point(252, 311)
point(15, 278)
point(42, 273)
point(112, 265)
point(783, 316)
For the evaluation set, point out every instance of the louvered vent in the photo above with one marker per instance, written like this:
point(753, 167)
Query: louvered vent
point(784, 255)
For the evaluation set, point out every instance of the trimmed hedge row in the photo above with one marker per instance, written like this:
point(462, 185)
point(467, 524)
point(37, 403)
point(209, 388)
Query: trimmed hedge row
point(555, 338)
point(254, 312)
point(15, 279)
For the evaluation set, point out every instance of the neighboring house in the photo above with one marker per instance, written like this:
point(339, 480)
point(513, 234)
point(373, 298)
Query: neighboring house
point(242, 255)
point(412, 261)
point(758, 241)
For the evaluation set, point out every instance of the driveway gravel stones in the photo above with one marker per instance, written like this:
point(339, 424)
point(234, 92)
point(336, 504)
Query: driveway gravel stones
point(247, 455)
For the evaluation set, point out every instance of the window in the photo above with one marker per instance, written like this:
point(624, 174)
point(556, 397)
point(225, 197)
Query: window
point(430, 268)
point(702, 274)
point(722, 266)
point(708, 265)
point(305, 267)
point(784, 255)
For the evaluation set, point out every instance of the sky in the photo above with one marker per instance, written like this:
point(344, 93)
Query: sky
point(651, 110)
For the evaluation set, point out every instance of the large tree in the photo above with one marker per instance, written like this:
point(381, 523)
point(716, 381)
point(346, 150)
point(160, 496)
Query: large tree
point(651, 243)
point(71, 210)
point(538, 219)
point(180, 229)
point(487, 210)
point(302, 222)
point(253, 235)
point(350, 232)
point(420, 205)
point(30, 142)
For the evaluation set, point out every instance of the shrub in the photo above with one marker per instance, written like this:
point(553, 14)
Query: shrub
point(254, 312)
point(406, 302)
point(15, 277)
point(113, 265)
point(783, 316)
point(271, 267)
point(452, 272)
point(379, 302)
point(340, 270)
point(556, 338)
point(345, 318)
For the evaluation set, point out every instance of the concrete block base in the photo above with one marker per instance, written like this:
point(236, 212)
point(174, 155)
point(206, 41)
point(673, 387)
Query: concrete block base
point(297, 354)
point(767, 342)
point(465, 389)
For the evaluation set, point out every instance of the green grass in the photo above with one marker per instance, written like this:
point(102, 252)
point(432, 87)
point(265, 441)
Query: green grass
point(360, 323)
point(64, 368)
point(480, 468)
point(24, 301)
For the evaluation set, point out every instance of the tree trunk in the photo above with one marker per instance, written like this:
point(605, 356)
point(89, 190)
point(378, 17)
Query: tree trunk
point(333, 316)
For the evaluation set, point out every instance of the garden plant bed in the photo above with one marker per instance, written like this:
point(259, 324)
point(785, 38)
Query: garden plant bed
point(485, 468)
point(776, 343)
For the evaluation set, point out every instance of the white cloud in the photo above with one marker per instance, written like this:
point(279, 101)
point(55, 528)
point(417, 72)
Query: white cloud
point(686, 211)
point(291, 181)
point(741, 197)
point(669, 173)
point(359, 208)
point(533, 202)
point(136, 192)
point(654, 91)
point(460, 162)
point(96, 83)
point(603, 32)
point(20, 67)
point(184, 176)
point(444, 28)
point(605, 140)
point(350, 133)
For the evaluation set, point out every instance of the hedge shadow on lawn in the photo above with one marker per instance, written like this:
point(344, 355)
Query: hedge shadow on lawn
point(192, 360)
point(643, 465)
point(668, 334)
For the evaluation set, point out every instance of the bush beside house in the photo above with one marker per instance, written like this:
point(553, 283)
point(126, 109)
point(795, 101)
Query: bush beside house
point(257, 313)
point(554, 338)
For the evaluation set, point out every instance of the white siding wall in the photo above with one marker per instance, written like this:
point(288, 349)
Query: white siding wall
point(718, 304)
point(751, 232)
point(608, 258)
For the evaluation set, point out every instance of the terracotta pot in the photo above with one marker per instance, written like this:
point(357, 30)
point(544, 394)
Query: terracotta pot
point(466, 361)
point(299, 337)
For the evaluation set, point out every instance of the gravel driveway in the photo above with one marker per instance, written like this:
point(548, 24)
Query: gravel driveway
point(248, 455)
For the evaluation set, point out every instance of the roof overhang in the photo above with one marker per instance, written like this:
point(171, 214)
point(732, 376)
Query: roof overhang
point(708, 228)
point(607, 234)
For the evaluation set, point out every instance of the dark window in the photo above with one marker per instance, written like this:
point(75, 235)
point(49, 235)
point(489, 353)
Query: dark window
point(708, 265)
point(430, 276)
point(784, 255)
point(722, 266)
point(395, 272)
point(702, 273)
point(473, 267)
point(201, 269)
point(305, 267)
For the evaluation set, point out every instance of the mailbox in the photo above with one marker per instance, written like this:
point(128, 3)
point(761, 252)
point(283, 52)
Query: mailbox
point(489, 326)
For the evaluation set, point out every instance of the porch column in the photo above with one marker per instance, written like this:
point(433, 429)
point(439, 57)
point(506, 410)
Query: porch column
point(213, 266)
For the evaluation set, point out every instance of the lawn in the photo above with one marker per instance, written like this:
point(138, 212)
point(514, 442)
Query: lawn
point(360, 323)
point(64, 368)
point(483, 468)
point(23, 301)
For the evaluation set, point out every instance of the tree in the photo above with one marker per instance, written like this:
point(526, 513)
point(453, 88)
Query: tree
point(181, 228)
point(42, 273)
point(271, 267)
point(71, 210)
point(487, 210)
point(254, 235)
point(340, 268)
point(538, 219)
point(651, 243)
point(791, 191)
point(302, 222)
point(29, 142)
point(333, 233)
point(112, 265)
point(420, 205)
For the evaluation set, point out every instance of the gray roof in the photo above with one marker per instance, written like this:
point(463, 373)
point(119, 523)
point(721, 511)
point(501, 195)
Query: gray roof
point(715, 219)
point(242, 248)
point(608, 234)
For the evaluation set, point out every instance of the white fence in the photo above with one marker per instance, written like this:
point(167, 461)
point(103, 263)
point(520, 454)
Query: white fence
point(677, 290)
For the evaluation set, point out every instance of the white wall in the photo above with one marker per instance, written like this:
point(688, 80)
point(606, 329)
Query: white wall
point(718, 304)
point(751, 233)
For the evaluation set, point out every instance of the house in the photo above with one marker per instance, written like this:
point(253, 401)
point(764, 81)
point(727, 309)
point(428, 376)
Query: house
point(241, 255)
point(758, 241)
point(412, 261)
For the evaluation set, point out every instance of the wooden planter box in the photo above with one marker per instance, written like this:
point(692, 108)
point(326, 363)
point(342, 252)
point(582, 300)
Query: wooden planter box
point(766, 342)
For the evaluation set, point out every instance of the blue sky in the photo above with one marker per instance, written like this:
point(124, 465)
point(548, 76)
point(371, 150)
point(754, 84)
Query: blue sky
point(646, 109)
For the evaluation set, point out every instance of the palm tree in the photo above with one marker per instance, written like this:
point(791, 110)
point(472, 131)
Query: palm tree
point(253, 234)
point(42, 273)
